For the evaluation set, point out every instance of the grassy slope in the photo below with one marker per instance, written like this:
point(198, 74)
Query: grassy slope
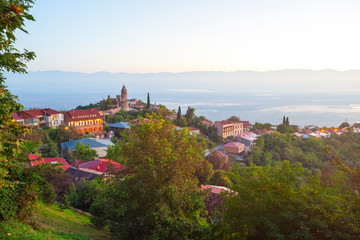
point(54, 223)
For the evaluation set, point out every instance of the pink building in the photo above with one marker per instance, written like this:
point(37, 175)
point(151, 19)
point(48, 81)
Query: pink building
point(234, 147)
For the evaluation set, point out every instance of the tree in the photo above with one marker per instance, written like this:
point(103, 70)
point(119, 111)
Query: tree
point(220, 178)
point(344, 125)
point(179, 113)
point(287, 121)
point(17, 194)
point(234, 118)
point(219, 160)
point(51, 150)
point(285, 202)
point(83, 153)
point(284, 120)
point(148, 101)
point(190, 114)
point(156, 196)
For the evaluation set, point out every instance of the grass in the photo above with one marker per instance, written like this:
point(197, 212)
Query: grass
point(54, 223)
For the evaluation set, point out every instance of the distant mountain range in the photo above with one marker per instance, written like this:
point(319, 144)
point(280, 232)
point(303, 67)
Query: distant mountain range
point(59, 82)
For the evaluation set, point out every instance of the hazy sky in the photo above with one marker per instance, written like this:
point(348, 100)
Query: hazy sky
point(139, 36)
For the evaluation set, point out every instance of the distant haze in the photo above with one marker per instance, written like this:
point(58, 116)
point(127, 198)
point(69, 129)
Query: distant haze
point(322, 97)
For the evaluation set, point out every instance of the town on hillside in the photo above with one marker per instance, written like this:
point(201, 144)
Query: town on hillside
point(98, 126)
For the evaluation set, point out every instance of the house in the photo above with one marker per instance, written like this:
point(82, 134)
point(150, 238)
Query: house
point(213, 200)
point(102, 165)
point(84, 120)
point(207, 123)
point(80, 174)
point(112, 111)
point(40, 118)
point(193, 131)
point(247, 126)
point(234, 147)
point(59, 162)
point(99, 145)
point(119, 126)
point(229, 128)
point(248, 139)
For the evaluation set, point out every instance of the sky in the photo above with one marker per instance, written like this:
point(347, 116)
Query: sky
point(146, 36)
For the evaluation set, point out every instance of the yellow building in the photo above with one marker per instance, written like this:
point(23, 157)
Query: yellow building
point(85, 120)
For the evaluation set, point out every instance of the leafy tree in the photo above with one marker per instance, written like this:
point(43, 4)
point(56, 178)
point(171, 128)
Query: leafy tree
point(284, 128)
point(344, 125)
point(83, 153)
point(284, 120)
point(285, 202)
point(190, 114)
point(262, 126)
point(156, 196)
point(181, 122)
point(17, 193)
point(234, 118)
point(64, 133)
point(287, 121)
point(204, 172)
point(106, 104)
point(51, 150)
point(219, 161)
point(220, 178)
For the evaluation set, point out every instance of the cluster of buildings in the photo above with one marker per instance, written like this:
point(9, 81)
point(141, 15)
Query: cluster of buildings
point(84, 120)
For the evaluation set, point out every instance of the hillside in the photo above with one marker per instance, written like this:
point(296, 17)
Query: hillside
point(54, 223)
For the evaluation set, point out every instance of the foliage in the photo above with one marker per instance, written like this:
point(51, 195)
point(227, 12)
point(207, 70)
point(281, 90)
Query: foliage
point(204, 172)
point(17, 193)
point(48, 193)
point(285, 202)
point(91, 105)
point(148, 101)
point(51, 150)
point(106, 104)
point(64, 133)
point(156, 196)
point(18, 231)
point(262, 126)
point(234, 118)
point(344, 125)
point(114, 153)
point(83, 153)
point(219, 161)
point(285, 128)
point(178, 113)
point(220, 178)
point(190, 114)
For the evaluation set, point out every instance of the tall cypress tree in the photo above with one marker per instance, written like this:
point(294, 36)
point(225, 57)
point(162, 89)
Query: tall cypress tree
point(284, 120)
point(148, 101)
point(179, 113)
point(287, 121)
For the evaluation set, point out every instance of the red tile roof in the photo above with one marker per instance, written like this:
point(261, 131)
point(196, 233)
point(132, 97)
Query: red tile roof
point(246, 123)
point(192, 129)
point(224, 122)
point(83, 114)
point(216, 189)
point(234, 145)
point(64, 164)
point(207, 123)
point(38, 112)
point(101, 165)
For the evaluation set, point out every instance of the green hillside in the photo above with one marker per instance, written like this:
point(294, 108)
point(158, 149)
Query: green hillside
point(54, 223)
